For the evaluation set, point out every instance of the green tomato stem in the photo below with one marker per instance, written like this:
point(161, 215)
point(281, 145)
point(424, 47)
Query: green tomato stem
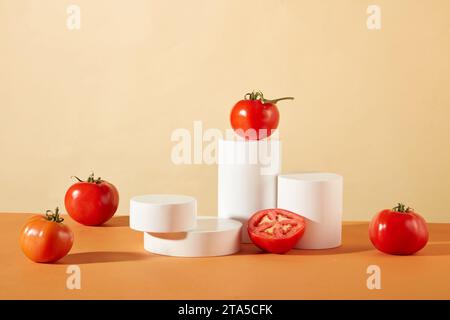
point(274, 101)
point(53, 216)
point(402, 208)
point(258, 95)
point(90, 179)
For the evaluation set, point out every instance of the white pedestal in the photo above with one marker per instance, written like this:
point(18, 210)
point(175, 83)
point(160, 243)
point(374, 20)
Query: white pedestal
point(247, 178)
point(319, 198)
point(163, 213)
point(212, 237)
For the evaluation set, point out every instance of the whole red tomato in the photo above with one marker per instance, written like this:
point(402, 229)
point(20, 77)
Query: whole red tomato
point(398, 231)
point(91, 202)
point(255, 117)
point(275, 230)
point(45, 239)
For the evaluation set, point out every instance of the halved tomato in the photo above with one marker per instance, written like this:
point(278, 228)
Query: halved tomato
point(275, 230)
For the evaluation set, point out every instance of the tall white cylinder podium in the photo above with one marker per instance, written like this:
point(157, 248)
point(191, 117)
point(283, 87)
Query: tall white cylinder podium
point(247, 178)
point(319, 198)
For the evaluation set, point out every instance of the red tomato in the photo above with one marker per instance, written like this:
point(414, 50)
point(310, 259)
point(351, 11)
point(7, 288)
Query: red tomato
point(275, 230)
point(398, 231)
point(45, 239)
point(93, 202)
point(255, 117)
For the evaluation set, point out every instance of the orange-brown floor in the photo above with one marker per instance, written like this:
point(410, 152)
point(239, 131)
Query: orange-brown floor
point(114, 265)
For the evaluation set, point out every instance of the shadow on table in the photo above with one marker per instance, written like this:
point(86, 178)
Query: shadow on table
point(435, 249)
point(438, 243)
point(102, 257)
point(119, 221)
point(355, 238)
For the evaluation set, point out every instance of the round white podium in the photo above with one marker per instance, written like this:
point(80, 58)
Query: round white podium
point(212, 237)
point(318, 197)
point(163, 213)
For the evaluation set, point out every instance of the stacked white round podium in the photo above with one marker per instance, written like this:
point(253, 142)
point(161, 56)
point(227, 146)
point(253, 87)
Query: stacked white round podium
point(171, 227)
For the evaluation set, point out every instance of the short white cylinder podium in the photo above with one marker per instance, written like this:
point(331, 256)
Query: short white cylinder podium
point(247, 178)
point(212, 237)
point(163, 213)
point(319, 198)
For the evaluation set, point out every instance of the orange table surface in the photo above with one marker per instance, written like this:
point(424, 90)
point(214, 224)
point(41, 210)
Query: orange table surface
point(114, 265)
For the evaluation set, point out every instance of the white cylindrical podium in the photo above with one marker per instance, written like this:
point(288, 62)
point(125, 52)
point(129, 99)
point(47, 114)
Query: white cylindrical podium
point(211, 237)
point(163, 213)
point(319, 198)
point(247, 178)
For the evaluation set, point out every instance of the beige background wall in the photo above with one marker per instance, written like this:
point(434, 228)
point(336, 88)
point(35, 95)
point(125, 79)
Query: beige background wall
point(371, 105)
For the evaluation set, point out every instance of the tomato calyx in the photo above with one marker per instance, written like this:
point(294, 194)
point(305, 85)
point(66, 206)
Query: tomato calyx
point(90, 179)
point(401, 208)
point(53, 216)
point(258, 95)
